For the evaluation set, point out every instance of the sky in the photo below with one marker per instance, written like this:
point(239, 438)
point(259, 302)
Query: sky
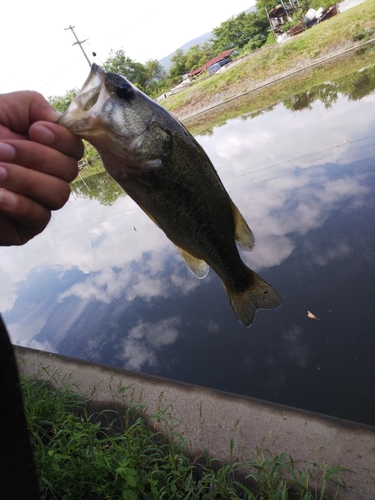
point(37, 51)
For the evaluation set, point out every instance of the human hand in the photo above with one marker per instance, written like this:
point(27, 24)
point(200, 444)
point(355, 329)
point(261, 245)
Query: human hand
point(38, 159)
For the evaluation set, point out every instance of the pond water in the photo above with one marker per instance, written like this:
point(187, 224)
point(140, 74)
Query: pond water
point(104, 284)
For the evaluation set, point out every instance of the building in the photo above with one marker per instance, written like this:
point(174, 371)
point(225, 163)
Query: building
point(214, 60)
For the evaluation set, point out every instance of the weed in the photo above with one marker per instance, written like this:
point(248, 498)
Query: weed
point(362, 34)
point(110, 455)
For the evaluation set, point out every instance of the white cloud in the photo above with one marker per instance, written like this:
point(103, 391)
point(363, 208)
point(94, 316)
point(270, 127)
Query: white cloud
point(103, 286)
point(141, 346)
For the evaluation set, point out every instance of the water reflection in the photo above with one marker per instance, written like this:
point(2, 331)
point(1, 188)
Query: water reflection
point(99, 187)
point(355, 86)
point(342, 76)
point(103, 282)
point(145, 339)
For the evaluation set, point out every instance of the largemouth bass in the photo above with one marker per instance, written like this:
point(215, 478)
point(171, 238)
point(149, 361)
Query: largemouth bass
point(167, 173)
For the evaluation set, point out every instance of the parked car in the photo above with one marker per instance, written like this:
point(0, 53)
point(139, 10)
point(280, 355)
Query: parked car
point(215, 67)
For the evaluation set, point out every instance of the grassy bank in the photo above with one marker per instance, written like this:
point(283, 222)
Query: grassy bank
point(340, 32)
point(339, 72)
point(124, 455)
point(349, 29)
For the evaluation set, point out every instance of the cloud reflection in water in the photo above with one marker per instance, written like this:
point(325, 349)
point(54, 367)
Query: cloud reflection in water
point(92, 286)
point(145, 339)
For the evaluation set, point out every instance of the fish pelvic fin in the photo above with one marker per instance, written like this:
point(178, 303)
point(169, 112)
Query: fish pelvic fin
point(196, 266)
point(242, 233)
point(259, 295)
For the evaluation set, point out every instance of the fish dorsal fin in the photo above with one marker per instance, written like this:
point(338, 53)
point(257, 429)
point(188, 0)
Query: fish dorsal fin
point(242, 233)
point(196, 266)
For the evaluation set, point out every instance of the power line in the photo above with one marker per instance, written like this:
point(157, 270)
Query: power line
point(79, 43)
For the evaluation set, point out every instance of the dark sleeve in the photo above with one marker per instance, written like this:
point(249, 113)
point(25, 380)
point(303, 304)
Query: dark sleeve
point(17, 469)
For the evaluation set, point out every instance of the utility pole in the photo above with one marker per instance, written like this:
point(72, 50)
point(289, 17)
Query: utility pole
point(79, 43)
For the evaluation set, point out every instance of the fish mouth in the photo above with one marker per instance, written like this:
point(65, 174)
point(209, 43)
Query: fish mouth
point(84, 110)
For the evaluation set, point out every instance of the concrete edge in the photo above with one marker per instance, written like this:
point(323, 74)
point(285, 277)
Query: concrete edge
point(209, 419)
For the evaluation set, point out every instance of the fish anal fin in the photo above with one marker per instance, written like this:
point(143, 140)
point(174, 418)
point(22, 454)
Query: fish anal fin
point(196, 266)
point(259, 295)
point(242, 233)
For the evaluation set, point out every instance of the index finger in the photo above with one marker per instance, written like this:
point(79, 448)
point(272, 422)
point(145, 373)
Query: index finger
point(18, 110)
point(57, 137)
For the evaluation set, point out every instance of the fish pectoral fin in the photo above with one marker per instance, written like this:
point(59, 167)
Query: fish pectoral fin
point(150, 164)
point(242, 233)
point(196, 266)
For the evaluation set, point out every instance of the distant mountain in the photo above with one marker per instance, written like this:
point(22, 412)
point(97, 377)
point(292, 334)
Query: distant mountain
point(166, 61)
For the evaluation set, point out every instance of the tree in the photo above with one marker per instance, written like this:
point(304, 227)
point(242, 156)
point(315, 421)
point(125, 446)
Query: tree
point(195, 57)
point(178, 67)
point(148, 77)
point(155, 77)
point(61, 103)
point(154, 70)
point(208, 52)
point(235, 32)
point(135, 72)
point(245, 31)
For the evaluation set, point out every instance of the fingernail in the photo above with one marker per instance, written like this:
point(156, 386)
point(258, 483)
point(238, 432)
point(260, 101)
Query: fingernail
point(7, 152)
point(3, 173)
point(43, 134)
point(7, 199)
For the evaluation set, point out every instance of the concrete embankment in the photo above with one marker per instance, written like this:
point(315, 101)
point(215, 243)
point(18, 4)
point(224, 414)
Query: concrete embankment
point(210, 419)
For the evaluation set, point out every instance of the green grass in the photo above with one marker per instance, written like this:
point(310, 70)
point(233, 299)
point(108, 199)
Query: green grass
point(342, 31)
point(123, 454)
point(340, 70)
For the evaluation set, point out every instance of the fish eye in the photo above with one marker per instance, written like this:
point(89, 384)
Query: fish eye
point(125, 91)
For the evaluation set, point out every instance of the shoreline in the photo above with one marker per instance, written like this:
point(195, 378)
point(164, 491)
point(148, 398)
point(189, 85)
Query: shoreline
point(210, 419)
point(188, 112)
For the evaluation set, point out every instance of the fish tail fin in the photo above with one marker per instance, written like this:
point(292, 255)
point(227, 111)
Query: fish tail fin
point(259, 295)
